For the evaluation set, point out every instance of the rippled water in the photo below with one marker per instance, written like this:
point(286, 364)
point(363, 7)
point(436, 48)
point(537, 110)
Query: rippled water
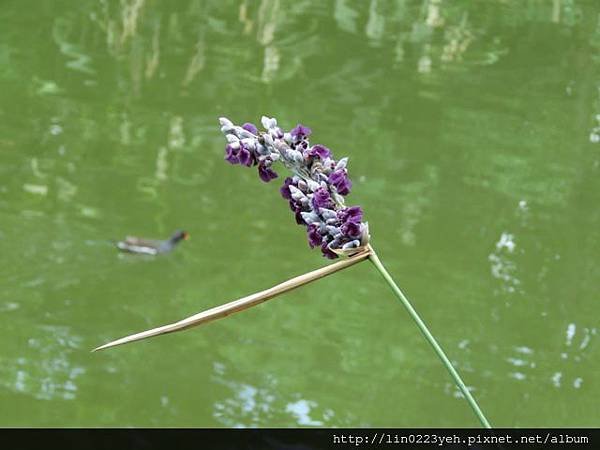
point(473, 131)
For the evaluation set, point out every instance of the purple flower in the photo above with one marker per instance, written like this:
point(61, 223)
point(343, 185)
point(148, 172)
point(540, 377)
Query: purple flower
point(351, 214)
point(231, 155)
point(285, 189)
point(251, 128)
point(339, 179)
point(352, 230)
point(265, 172)
point(314, 236)
point(319, 151)
point(321, 198)
point(327, 253)
point(300, 132)
point(245, 156)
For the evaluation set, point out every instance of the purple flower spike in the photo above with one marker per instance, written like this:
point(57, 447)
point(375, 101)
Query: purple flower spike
point(285, 189)
point(300, 132)
point(315, 192)
point(231, 155)
point(251, 128)
point(321, 198)
point(266, 173)
point(339, 179)
point(314, 236)
point(319, 151)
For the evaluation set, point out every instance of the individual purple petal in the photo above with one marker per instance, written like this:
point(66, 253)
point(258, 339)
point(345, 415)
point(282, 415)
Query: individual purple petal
point(285, 189)
point(339, 179)
point(231, 155)
point(251, 128)
point(245, 156)
point(266, 173)
point(351, 214)
point(321, 198)
point(319, 151)
point(314, 236)
point(327, 251)
point(300, 132)
point(352, 230)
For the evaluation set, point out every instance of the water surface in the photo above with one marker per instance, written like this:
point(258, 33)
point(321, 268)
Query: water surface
point(473, 131)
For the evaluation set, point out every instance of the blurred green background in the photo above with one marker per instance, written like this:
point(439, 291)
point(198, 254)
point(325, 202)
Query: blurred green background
point(473, 131)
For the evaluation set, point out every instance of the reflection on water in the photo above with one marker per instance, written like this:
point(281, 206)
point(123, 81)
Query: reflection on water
point(246, 405)
point(301, 409)
point(472, 131)
point(47, 372)
point(502, 265)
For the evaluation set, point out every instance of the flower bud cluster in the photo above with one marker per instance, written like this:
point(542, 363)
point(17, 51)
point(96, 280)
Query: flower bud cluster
point(317, 188)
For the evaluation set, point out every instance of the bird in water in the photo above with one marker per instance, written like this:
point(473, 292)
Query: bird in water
point(149, 246)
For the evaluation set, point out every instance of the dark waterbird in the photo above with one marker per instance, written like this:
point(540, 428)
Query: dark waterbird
point(141, 246)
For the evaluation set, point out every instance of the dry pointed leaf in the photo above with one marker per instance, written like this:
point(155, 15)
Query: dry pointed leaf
point(241, 304)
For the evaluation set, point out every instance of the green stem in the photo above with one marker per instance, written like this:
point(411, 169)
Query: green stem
point(459, 382)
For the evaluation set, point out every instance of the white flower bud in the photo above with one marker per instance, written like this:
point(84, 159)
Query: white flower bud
point(334, 231)
point(268, 123)
point(225, 122)
point(313, 185)
point(352, 244)
point(268, 140)
point(261, 149)
point(310, 217)
point(243, 133)
point(249, 143)
point(297, 194)
point(280, 145)
point(341, 164)
point(328, 214)
point(299, 159)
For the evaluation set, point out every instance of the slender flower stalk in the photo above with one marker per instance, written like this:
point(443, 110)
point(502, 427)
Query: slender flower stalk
point(429, 337)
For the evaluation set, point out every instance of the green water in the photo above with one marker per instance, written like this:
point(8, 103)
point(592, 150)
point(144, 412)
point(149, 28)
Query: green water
point(472, 132)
